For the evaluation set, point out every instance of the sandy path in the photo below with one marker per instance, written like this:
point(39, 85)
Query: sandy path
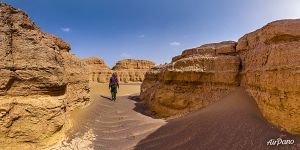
point(109, 125)
point(116, 125)
point(124, 90)
point(233, 123)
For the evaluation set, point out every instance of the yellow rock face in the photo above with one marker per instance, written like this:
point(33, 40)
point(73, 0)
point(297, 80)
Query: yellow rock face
point(132, 70)
point(193, 80)
point(98, 70)
point(271, 71)
point(40, 81)
point(127, 70)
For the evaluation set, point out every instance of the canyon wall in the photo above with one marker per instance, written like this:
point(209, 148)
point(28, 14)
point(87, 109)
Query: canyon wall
point(40, 81)
point(265, 62)
point(271, 71)
point(127, 70)
point(193, 80)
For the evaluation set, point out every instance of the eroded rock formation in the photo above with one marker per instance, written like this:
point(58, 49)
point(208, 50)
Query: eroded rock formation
point(131, 70)
point(98, 70)
point(195, 79)
point(39, 81)
point(266, 62)
point(271, 71)
point(128, 70)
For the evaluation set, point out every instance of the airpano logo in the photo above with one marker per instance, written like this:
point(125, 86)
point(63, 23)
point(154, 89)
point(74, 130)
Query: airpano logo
point(280, 141)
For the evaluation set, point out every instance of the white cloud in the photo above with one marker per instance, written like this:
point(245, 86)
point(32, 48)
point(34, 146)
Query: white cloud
point(141, 36)
point(66, 29)
point(175, 43)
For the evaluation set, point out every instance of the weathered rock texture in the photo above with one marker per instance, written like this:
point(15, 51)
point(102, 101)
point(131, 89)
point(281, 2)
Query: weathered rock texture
point(271, 71)
point(39, 80)
point(195, 79)
point(128, 70)
point(131, 70)
point(98, 70)
point(266, 62)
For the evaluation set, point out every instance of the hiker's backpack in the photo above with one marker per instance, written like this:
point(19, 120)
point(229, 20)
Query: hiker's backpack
point(113, 81)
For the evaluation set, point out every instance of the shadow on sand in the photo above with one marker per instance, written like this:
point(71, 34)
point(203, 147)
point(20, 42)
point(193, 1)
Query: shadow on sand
point(233, 123)
point(141, 106)
point(108, 98)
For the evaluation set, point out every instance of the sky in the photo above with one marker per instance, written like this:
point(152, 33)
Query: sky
point(155, 30)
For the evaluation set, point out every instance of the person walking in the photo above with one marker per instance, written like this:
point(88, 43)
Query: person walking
point(113, 85)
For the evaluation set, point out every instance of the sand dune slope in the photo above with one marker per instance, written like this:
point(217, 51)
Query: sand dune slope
point(232, 123)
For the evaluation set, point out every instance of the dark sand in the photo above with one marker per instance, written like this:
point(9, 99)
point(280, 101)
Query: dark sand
point(118, 125)
point(234, 123)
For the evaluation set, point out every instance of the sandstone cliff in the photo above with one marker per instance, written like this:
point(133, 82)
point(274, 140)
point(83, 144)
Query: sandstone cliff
point(131, 70)
point(98, 70)
point(266, 62)
point(128, 70)
point(40, 81)
point(271, 71)
point(195, 79)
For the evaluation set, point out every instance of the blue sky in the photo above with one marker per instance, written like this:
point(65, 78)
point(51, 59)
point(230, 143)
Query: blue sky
point(155, 30)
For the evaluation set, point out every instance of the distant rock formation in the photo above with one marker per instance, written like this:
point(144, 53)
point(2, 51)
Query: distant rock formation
point(132, 70)
point(39, 81)
point(266, 62)
point(127, 70)
point(98, 70)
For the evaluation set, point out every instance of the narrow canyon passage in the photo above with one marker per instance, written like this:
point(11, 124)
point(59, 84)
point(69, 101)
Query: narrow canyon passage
point(233, 123)
point(109, 125)
point(116, 125)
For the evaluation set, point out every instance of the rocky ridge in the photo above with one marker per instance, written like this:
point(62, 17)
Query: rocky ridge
point(265, 62)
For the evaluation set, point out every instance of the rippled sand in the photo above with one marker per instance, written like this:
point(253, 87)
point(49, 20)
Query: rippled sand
point(233, 123)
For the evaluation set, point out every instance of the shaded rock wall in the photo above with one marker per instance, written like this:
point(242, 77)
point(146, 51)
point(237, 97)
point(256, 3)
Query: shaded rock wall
point(128, 70)
point(39, 80)
point(266, 62)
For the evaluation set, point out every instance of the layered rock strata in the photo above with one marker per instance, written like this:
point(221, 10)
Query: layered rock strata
point(98, 70)
point(132, 70)
point(193, 80)
point(39, 81)
point(128, 70)
point(270, 58)
point(266, 62)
